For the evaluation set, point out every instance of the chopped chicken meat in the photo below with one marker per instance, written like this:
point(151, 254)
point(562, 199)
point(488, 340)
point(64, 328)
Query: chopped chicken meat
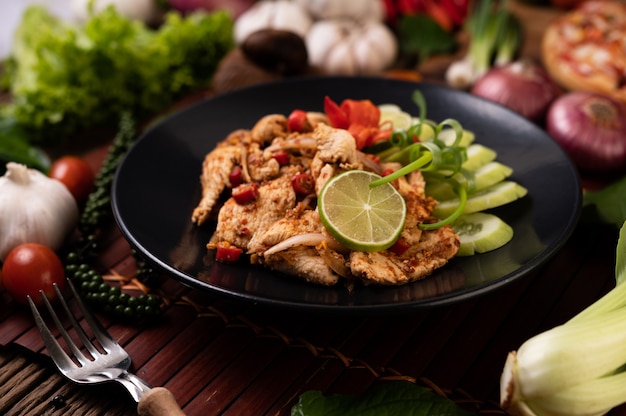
point(281, 229)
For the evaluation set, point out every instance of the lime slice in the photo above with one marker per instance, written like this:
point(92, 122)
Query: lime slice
point(493, 196)
point(360, 217)
point(394, 114)
point(480, 232)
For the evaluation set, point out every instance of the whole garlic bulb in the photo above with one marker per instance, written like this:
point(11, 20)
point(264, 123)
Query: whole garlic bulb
point(272, 14)
point(359, 10)
point(34, 209)
point(346, 47)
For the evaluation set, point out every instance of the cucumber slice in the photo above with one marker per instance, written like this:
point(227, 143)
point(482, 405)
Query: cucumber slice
point(485, 176)
point(480, 232)
point(394, 114)
point(478, 155)
point(427, 131)
point(447, 136)
point(493, 196)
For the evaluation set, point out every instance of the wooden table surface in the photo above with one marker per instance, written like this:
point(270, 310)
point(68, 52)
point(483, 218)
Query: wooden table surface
point(221, 357)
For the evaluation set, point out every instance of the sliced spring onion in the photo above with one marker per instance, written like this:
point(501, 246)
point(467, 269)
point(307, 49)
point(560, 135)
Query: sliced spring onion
point(434, 155)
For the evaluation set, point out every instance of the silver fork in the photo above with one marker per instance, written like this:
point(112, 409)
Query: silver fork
point(110, 363)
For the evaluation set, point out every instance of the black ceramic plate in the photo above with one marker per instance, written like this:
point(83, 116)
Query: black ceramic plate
point(157, 187)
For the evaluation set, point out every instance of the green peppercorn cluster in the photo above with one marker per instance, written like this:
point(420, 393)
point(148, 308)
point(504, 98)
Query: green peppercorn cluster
point(109, 298)
point(96, 212)
point(97, 208)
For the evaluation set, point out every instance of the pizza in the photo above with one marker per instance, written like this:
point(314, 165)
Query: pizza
point(585, 48)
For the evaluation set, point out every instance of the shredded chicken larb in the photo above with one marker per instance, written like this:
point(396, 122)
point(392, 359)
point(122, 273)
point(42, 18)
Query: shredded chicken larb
point(279, 227)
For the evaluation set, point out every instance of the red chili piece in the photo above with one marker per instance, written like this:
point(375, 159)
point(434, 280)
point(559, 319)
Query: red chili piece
point(387, 172)
point(303, 184)
point(236, 177)
point(282, 158)
point(399, 247)
point(228, 254)
point(245, 193)
point(297, 121)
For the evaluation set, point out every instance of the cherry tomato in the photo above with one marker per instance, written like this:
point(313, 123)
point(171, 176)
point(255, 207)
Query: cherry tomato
point(76, 174)
point(29, 268)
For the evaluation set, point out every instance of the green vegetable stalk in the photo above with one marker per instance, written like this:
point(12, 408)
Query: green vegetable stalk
point(495, 38)
point(65, 77)
point(578, 368)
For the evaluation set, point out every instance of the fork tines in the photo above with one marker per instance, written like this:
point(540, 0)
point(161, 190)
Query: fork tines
point(56, 351)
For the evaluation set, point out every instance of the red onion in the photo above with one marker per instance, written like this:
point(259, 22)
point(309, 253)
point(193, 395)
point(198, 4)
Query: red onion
point(522, 86)
point(591, 128)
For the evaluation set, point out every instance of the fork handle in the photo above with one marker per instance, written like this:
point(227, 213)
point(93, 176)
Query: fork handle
point(159, 401)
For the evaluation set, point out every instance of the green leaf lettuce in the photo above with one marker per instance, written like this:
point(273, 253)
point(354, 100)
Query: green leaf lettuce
point(65, 77)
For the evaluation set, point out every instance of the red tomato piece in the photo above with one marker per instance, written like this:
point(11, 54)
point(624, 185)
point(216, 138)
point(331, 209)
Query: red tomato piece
point(76, 174)
point(245, 193)
point(361, 112)
point(29, 268)
point(303, 184)
point(337, 117)
point(297, 121)
point(228, 254)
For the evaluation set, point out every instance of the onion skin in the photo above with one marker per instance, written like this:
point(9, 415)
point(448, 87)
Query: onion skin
point(522, 86)
point(591, 128)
